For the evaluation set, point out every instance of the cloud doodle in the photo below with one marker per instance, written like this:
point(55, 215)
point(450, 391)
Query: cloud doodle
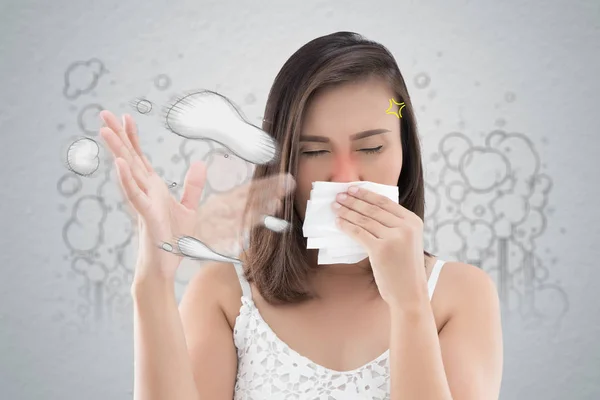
point(487, 200)
point(82, 77)
point(488, 209)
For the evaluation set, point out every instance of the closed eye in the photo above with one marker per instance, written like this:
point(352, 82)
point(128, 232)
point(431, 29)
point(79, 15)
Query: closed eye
point(313, 153)
point(372, 150)
point(316, 153)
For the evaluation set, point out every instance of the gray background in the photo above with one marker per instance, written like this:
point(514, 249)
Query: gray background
point(472, 67)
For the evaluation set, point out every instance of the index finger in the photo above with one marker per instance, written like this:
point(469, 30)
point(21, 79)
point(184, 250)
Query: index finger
point(132, 133)
point(129, 153)
point(378, 200)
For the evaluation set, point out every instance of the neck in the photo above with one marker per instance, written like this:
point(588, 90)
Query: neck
point(341, 281)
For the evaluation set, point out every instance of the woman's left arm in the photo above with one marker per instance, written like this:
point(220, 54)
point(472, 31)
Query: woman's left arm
point(464, 362)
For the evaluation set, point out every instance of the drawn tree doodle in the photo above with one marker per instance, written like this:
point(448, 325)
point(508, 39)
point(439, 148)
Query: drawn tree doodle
point(486, 205)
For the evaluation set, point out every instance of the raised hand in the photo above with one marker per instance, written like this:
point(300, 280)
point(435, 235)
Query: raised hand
point(161, 218)
point(220, 223)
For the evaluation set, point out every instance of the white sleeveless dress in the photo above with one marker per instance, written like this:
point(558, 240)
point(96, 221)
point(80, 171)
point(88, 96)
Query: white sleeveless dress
point(268, 369)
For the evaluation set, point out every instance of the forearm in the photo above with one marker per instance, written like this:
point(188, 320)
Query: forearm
point(417, 369)
point(162, 366)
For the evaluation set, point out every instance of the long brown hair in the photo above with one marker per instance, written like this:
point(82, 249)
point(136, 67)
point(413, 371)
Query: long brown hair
point(277, 263)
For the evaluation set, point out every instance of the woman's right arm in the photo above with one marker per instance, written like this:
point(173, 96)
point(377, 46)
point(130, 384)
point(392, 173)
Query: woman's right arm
point(187, 356)
point(166, 365)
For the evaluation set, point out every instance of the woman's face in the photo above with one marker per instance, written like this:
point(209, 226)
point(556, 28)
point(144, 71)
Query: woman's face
point(347, 136)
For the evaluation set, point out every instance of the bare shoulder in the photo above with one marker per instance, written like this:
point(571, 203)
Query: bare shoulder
point(466, 283)
point(215, 276)
point(466, 273)
point(217, 283)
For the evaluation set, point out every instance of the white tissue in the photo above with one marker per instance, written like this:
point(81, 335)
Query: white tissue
point(320, 229)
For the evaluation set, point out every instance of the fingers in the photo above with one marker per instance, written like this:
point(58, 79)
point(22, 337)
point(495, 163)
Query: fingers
point(132, 133)
point(121, 146)
point(193, 185)
point(357, 232)
point(116, 147)
point(134, 194)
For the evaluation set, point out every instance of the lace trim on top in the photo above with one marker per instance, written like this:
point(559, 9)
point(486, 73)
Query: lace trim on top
point(269, 369)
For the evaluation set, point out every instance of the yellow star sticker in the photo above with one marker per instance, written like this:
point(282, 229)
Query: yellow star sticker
point(397, 114)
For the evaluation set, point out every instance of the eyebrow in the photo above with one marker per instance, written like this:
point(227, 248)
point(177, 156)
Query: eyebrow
point(355, 136)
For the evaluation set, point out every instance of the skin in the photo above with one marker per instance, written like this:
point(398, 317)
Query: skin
point(330, 150)
point(348, 305)
point(348, 324)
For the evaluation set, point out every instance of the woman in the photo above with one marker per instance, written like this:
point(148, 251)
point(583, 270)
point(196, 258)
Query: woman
point(279, 326)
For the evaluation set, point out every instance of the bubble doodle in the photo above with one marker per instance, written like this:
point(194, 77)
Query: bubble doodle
point(510, 97)
point(143, 106)
point(81, 77)
point(250, 98)
point(89, 119)
point(82, 157)
point(422, 80)
point(162, 82)
point(69, 185)
point(83, 232)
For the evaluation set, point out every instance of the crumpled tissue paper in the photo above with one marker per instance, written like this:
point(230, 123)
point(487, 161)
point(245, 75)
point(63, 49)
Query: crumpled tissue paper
point(320, 229)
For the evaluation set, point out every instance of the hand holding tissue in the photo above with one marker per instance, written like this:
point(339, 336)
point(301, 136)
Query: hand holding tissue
point(320, 229)
point(351, 221)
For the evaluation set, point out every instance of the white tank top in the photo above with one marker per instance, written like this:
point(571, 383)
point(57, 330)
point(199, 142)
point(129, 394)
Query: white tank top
point(268, 369)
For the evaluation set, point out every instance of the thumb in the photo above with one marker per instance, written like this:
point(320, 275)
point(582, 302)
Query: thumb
point(193, 185)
